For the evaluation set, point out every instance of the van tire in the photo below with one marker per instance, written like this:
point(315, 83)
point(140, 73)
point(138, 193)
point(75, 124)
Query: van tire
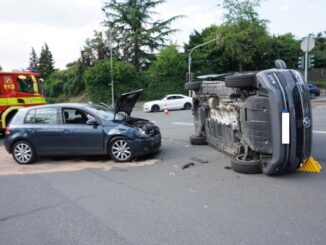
point(197, 140)
point(246, 80)
point(193, 85)
point(238, 164)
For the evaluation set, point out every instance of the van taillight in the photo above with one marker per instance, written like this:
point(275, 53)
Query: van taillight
point(7, 131)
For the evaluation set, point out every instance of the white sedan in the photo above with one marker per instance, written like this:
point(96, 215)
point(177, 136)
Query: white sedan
point(171, 102)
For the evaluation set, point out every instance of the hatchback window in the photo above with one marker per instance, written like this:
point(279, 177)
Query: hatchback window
point(41, 116)
point(75, 116)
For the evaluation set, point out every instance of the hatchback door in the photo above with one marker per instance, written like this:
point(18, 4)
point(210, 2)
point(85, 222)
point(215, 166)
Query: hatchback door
point(78, 137)
point(42, 129)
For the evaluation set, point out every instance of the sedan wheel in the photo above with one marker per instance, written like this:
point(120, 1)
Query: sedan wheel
point(120, 151)
point(23, 152)
point(155, 108)
point(187, 106)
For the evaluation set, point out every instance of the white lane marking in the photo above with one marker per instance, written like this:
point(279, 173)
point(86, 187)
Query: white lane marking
point(182, 123)
point(319, 132)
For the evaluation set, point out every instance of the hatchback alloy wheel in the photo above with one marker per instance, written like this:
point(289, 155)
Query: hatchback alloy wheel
point(23, 152)
point(120, 150)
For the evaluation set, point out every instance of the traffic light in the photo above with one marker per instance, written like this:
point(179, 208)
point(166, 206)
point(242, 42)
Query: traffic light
point(301, 62)
point(192, 76)
point(311, 61)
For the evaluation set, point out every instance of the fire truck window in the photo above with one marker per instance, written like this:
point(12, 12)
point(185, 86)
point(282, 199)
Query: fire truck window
point(25, 85)
point(42, 116)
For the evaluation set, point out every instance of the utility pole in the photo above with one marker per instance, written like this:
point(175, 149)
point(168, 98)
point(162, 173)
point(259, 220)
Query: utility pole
point(111, 62)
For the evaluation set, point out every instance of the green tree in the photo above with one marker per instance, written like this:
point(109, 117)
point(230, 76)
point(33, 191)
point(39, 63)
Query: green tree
point(241, 10)
point(320, 50)
point(46, 62)
point(134, 32)
point(98, 80)
point(287, 48)
point(166, 74)
point(207, 59)
point(54, 86)
point(0, 68)
point(244, 35)
point(33, 59)
point(74, 84)
point(95, 48)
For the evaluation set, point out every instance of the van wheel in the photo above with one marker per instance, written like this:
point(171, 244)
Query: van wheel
point(240, 165)
point(245, 80)
point(193, 85)
point(23, 152)
point(197, 140)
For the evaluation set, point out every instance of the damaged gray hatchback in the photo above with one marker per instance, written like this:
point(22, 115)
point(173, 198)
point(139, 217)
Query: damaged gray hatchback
point(261, 119)
point(74, 129)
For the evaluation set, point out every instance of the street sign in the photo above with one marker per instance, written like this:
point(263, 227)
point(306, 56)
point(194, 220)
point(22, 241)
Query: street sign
point(308, 43)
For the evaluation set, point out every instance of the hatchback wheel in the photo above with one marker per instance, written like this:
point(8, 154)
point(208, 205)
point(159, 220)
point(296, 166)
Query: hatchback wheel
point(23, 152)
point(120, 150)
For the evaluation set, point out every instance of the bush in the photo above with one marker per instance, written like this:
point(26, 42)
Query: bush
point(319, 83)
point(166, 74)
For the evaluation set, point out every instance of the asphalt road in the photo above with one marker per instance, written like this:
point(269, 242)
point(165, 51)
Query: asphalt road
point(163, 204)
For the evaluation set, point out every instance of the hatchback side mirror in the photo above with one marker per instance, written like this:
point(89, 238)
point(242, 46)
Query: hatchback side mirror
point(92, 122)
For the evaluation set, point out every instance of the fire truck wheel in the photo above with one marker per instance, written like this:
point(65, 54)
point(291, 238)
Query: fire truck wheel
point(23, 152)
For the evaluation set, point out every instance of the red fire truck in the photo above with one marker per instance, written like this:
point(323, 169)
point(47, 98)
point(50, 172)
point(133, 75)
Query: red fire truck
point(17, 90)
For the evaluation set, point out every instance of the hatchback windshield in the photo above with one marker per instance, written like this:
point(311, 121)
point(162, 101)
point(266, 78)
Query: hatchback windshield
point(104, 112)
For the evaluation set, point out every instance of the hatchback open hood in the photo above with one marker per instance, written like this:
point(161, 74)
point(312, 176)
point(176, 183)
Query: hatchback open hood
point(126, 102)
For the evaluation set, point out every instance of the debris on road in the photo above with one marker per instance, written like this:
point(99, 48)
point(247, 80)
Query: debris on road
point(199, 160)
point(188, 165)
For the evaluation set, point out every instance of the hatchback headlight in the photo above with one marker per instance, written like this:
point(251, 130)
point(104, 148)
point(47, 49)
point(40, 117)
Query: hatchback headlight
point(142, 133)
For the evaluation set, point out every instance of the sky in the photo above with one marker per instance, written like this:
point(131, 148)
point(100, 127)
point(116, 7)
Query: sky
point(65, 24)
